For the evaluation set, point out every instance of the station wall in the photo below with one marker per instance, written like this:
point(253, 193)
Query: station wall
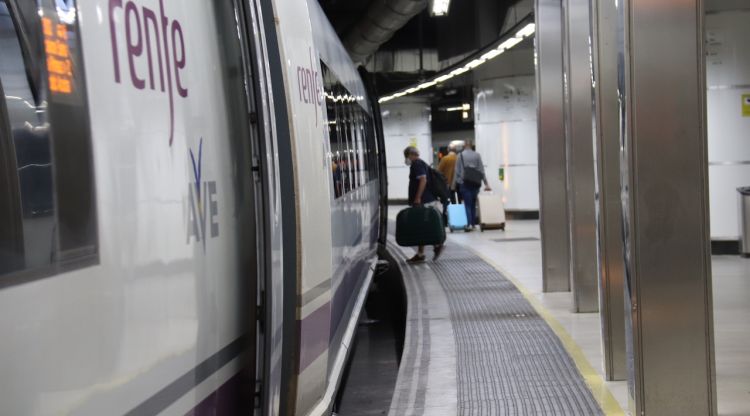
point(506, 137)
point(505, 117)
point(728, 83)
point(406, 121)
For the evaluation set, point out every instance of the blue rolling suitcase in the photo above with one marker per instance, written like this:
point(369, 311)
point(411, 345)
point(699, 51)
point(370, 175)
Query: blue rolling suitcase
point(457, 217)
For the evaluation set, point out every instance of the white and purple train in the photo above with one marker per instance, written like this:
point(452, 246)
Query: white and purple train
point(192, 197)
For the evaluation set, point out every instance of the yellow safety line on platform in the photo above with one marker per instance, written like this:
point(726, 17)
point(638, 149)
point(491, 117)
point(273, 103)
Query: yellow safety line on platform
point(593, 379)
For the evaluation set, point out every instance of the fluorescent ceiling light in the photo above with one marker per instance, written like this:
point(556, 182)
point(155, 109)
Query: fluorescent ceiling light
point(459, 71)
point(524, 32)
point(440, 7)
point(491, 54)
point(462, 107)
point(426, 85)
point(510, 43)
point(475, 63)
point(444, 78)
point(528, 30)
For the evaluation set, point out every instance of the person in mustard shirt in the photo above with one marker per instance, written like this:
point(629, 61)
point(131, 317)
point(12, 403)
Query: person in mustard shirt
point(447, 167)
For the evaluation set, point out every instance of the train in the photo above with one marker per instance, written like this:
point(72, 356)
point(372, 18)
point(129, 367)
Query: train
point(192, 207)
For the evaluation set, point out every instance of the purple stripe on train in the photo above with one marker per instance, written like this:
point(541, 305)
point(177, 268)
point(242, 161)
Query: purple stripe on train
point(313, 330)
point(234, 397)
point(344, 293)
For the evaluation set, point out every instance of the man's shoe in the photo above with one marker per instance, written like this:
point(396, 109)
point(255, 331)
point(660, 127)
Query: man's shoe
point(468, 229)
point(438, 251)
point(418, 258)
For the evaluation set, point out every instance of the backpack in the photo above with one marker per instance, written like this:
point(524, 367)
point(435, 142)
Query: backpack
point(438, 185)
point(472, 176)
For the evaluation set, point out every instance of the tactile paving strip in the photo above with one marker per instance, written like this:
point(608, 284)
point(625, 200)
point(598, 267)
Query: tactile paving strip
point(509, 360)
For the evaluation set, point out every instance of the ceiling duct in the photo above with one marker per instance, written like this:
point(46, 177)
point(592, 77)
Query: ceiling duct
point(382, 20)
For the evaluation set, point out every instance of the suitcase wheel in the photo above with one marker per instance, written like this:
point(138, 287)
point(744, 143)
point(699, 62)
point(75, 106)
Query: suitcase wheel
point(481, 228)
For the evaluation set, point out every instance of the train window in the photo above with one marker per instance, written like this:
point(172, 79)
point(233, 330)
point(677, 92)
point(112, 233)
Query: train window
point(343, 128)
point(351, 139)
point(361, 149)
point(357, 142)
point(368, 146)
point(48, 218)
point(363, 116)
point(350, 132)
point(372, 135)
point(333, 134)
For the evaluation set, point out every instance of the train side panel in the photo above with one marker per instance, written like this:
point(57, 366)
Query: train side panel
point(171, 291)
point(354, 213)
point(337, 238)
point(304, 102)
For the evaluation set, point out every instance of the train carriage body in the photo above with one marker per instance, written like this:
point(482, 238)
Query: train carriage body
point(189, 207)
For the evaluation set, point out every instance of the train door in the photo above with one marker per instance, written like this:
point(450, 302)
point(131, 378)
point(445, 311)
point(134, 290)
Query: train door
point(259, 47)
point(260, 147)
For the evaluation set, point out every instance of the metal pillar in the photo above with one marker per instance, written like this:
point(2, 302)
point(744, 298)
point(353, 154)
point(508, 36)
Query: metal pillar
point(580, 156)
point(665, 207)
point(609, 209)
point(552, 187)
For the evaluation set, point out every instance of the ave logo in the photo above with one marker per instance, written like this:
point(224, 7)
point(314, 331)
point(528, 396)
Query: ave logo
point(203, 205)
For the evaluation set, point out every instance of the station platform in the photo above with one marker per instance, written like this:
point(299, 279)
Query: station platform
point(482, 339)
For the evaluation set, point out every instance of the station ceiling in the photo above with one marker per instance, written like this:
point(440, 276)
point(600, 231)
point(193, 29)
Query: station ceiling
point(469, 25)
point(346, 14)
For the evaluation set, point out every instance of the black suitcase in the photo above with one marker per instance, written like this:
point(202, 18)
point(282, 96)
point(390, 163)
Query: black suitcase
point(419, 226)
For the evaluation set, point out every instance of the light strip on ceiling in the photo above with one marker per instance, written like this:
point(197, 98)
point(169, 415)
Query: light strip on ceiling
point(506, 45)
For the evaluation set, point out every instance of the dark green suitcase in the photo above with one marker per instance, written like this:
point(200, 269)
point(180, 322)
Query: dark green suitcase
point(419, 226)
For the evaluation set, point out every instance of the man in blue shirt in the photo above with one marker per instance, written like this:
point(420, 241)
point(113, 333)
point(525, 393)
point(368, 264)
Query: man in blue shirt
point(420, 194)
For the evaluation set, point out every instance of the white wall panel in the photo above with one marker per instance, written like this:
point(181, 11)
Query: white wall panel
point(506, 137)
point(728, 78)
point(404, 123)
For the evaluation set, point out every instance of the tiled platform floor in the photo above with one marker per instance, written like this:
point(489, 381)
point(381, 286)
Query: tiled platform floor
point(475, 346)
point(731, 290)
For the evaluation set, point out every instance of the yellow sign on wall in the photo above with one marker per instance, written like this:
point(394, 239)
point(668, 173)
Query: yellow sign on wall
point(745, 105)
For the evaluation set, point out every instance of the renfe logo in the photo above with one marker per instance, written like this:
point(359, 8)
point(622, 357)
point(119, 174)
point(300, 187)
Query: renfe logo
point(309, 89)
point(204, 207)
point(164, 43)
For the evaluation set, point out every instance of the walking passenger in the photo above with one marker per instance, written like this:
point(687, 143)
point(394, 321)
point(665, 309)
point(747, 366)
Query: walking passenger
point(447, 167)
point(469, 178)
point(420, 194)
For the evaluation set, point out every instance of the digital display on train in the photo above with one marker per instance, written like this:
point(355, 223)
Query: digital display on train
point(59, 63)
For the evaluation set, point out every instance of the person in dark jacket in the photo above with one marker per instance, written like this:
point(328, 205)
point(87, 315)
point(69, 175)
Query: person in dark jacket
point(420, 194)
point(469, 178)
